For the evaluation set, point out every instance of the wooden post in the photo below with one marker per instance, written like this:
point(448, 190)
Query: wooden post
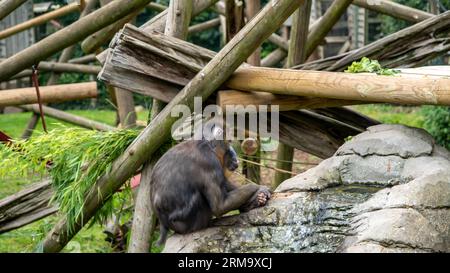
point(8, 6)
point(67, 117)
point(40, 20)
point(157, 132)
point(54, 93)
point(296, 55)
point(329, 19)
point(178, 18)
point(252, 171)
point(68, 36)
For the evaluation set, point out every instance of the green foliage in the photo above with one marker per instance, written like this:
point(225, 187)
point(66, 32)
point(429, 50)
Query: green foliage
point(437, 123)
point(371, 66)
point(77, 158)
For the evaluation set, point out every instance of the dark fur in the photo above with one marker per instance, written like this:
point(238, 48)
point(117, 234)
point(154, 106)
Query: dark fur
point(189, 181)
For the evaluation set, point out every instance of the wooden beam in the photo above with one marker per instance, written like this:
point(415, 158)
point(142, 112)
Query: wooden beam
point(83, 59)
point(401, 89)
point(8, 6)
point(54, 93)
point(68, 36)
point(285, 102)
point(394, 9)
point(40, 20)
point(158, 131)
point(67, 117)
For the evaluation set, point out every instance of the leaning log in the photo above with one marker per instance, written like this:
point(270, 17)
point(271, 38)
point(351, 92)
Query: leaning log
point(83, 59)
point(69, 118)
point(204, 26)
point(40, 20)
point(49, 94)
point(68, 36)
point(398, 89)
point(408, 47)
point(26, 206)
point(158, 23)
point(8, 6)
point(154, 135)
point(395, 10)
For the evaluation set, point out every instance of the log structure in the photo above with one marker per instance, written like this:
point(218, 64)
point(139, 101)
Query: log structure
point(54, 93)
point(26, 206)
point(202, 85)
point(68, 36)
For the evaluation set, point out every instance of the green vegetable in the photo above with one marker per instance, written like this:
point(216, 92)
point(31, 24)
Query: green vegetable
point(370, 66)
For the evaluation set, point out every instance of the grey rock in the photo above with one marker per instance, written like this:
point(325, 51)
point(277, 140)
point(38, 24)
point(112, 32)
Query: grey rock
point(387, 190)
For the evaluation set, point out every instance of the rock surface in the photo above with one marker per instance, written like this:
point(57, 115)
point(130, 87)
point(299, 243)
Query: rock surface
point(385, 190)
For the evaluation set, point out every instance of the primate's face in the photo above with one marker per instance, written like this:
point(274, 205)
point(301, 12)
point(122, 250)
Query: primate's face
point(231, 160)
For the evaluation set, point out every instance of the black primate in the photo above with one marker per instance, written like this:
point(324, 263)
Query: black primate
point(189, 186)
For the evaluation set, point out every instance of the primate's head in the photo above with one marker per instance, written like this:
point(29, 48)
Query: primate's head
point(222, 147)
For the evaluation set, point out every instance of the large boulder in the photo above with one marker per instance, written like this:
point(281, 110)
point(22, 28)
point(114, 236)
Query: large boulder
point(385, 190)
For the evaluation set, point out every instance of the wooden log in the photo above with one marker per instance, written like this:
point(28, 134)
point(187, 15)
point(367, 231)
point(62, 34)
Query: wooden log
point(101, 37)
point(125, 108)
point(54, 93)
point(285, 102)
point(68, 36)
point(26, 206)
point(154, 135)
point(204, 26)
point(401, 89)
point(407, 47)
point(326, 23)
point(158, 22)
point(157, 7)
point(252, 8)
point(67, 117)
point(40, 20)
point(395, 10)
point(8, 6)
point(296, 55)
point(84, 59)
point(68, 52)
point(185, 54)
point(274, 58)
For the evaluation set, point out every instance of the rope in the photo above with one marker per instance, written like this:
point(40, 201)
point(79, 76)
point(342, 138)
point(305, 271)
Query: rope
point(279, 160)
point(266, 166)
point(34, 78)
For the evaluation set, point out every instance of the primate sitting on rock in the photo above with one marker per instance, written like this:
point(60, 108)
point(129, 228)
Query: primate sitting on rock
point(189, 185)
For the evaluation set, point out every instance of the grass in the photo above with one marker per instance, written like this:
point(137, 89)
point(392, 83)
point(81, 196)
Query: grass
point(92, 239)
